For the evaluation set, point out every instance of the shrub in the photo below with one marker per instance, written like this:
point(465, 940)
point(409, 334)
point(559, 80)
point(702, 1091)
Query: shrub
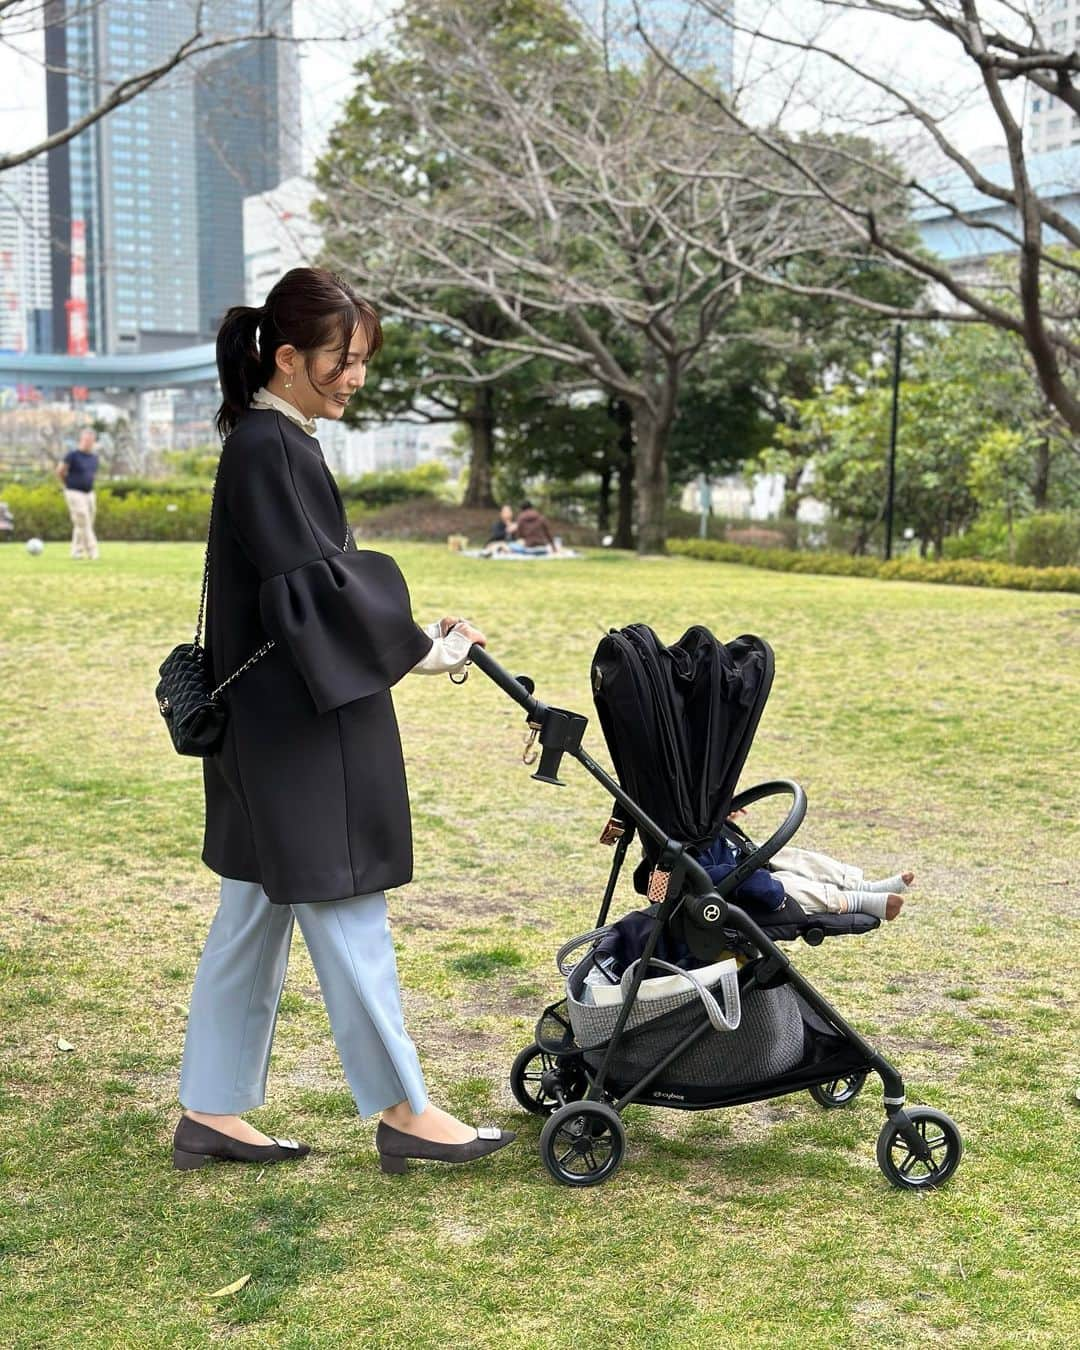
point(374, 490)
point(147, 508)
point(136, 514)
point(1048, 540)
point(988, 538)
point(960, 572)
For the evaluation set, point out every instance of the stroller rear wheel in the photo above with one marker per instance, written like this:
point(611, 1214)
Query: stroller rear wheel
point(838, 1091)
point(943, 1147)
point(583, 1143)
point(537, 1078)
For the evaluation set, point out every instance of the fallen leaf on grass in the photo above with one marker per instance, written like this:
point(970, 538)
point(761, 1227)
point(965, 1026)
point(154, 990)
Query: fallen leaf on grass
point(61, 1044)
point(230, 1288)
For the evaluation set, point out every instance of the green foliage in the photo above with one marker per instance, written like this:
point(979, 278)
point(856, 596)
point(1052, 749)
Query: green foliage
point(138, 508)
point(1049, 540)
point(986, 538)
point(140, 514)
point(201, 462)
point(967, 444)
point(1044, 539)
point(393, 485)
point(998, 474)
point(961, 572)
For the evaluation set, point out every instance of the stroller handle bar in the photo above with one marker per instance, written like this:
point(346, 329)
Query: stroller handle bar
point(517, 688)
point(787, 831)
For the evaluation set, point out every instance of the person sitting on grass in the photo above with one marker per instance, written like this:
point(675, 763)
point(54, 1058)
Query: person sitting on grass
point(502, 532)
point(817, 883)
point(533, 532)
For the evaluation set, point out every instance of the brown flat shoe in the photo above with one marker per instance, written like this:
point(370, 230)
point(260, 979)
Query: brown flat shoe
point(396, 1147)
point(196, 1144)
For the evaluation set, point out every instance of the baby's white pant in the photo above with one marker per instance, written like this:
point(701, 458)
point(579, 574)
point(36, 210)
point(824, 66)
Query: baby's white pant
point(814, 880)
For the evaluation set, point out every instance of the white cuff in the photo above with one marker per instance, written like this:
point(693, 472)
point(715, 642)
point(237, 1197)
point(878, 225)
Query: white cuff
point(447, 653)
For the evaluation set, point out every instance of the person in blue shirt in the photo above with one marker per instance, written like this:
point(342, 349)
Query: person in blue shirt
point(76, 474)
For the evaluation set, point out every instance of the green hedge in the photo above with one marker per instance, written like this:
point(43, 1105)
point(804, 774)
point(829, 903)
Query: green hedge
point(145, 508)
point(42, 511)
point(959, 573)
point(375, 490)
point(1046, 539)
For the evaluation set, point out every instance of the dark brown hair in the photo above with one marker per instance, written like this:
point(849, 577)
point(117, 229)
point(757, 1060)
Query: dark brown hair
point(308, 307)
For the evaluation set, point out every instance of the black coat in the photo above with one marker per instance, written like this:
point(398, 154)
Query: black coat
point(307, 794)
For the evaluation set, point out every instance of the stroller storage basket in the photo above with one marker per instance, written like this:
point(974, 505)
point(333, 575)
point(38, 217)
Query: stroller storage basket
point(768, 1041)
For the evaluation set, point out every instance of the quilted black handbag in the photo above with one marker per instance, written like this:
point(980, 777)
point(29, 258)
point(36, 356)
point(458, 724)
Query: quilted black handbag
point(193, 711)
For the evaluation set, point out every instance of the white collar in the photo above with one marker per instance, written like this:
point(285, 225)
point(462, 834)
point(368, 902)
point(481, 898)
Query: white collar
point(263, 398)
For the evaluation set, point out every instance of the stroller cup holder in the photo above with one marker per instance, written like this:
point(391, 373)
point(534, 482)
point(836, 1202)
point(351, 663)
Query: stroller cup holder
point(560, 731)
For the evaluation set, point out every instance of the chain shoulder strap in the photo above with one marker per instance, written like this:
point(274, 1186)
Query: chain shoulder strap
point(256, 655)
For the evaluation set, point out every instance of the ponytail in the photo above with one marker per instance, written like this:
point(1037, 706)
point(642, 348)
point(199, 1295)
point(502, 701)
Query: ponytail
point(239, 364)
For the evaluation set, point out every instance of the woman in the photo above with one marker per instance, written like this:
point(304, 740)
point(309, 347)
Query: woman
point(307, 811)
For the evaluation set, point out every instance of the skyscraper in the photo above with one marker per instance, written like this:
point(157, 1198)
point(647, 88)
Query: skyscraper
point(25, 281)
point(1051, 124)
point(157, 186)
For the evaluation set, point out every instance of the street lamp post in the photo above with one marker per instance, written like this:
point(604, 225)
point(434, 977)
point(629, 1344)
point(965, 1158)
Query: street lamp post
point(890, 494)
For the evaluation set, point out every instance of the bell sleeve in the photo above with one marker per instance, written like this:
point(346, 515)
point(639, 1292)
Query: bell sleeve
point(344, 618)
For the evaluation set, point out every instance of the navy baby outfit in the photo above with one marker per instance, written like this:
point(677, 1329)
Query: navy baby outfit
point(760, 887)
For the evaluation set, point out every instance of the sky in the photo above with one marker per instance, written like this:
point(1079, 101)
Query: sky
point(912, 53)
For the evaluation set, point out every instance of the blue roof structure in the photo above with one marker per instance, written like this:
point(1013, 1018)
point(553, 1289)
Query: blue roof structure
point(148, 370)
point(1055, 176)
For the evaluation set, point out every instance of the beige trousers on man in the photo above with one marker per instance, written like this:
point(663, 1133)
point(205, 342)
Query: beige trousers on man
point(814, 880)
point(82, 508)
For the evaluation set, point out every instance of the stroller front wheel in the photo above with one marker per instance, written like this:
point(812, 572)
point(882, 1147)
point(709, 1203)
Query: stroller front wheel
point(942, 1145)
point(583, 1143)
point(537, 1077)
point(838, 1091)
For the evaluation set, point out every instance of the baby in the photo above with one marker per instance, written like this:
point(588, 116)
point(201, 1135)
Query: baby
point(815, 881)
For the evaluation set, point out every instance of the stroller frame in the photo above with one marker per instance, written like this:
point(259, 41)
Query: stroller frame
point(583, 1140)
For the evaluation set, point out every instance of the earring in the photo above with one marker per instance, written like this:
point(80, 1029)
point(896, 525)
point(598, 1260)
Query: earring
point(288, 384)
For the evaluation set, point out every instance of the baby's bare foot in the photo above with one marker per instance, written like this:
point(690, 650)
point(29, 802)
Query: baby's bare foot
point(893, 905)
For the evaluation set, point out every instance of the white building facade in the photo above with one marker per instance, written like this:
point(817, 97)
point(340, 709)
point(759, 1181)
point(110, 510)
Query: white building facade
point(1050, 124)
point(25, 269)
point(279, 234)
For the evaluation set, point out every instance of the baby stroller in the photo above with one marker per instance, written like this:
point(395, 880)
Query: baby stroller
point(679, 722)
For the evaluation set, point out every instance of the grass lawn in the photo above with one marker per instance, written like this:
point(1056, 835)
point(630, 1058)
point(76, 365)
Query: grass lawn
point(931, 726)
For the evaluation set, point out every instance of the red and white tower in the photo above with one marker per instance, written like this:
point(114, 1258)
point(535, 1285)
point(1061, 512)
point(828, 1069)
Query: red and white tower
point(77, 323)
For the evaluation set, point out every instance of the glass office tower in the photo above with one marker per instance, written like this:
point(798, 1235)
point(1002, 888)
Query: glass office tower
point(159, 184)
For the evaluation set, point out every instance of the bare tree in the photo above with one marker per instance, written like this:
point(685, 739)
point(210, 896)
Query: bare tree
point(599, 212)
point(1003, 46)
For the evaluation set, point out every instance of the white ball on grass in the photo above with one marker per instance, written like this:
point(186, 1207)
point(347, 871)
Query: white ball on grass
point(35, 546)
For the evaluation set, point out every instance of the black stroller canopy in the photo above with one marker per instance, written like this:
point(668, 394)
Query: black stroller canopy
point(679, 721)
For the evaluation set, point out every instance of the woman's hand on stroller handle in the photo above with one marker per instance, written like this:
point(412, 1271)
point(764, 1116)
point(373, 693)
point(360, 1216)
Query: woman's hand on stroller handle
point(465, 627)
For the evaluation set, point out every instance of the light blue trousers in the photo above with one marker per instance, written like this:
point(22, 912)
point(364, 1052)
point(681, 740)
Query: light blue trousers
point(234, 1003)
